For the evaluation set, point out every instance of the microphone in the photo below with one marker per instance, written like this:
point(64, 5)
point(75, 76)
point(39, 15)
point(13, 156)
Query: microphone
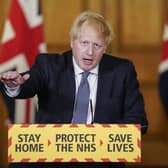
point(91, 110)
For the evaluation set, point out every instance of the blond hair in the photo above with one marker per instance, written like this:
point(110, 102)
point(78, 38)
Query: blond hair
point(93, 19)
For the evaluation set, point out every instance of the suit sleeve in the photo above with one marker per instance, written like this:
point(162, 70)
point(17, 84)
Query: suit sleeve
point(134, 103)
point(37, 80)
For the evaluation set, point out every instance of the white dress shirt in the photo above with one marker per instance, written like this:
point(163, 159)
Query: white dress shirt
point(93, 81)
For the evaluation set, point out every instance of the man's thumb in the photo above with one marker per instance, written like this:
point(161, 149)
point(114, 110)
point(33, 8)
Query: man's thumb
point(26, 77)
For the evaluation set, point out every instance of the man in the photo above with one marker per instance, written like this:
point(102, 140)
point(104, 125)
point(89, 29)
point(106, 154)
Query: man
point(56, 78)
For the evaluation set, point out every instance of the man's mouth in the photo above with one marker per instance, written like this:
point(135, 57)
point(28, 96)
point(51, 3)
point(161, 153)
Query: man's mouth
point(87, 61)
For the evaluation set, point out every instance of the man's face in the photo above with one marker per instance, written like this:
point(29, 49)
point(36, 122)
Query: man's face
point(89, 48)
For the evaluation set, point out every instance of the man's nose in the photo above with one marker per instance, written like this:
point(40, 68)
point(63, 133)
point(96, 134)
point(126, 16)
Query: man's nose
point(90, 49)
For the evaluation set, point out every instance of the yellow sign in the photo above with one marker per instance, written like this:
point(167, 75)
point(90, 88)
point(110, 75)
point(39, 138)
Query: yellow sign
point(74, 143)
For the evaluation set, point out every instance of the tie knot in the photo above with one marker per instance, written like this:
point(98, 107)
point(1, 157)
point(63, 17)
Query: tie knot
point(85, 74)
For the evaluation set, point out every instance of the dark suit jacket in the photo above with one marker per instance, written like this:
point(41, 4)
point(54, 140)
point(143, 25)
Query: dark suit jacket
point(118, 96)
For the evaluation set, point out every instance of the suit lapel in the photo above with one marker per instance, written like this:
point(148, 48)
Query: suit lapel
point(103, 90)
point(68, 88)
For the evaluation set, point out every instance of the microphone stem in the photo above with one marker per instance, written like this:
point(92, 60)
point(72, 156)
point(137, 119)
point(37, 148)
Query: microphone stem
point(91, 110)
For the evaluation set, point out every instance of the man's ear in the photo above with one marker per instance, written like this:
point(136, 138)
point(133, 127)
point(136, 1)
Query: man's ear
point(71, 43)
point(105, 48)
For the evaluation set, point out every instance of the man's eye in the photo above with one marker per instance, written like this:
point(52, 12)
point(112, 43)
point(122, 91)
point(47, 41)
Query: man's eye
point(97, 45)
point(85, 42)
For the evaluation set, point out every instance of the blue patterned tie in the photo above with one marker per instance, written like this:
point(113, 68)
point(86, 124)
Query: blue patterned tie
point(82, 101)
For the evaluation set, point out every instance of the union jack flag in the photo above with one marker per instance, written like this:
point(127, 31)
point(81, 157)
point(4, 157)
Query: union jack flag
point(22, 41)
point(163, 69)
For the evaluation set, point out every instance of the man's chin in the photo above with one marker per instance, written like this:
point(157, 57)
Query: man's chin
point(87, 67)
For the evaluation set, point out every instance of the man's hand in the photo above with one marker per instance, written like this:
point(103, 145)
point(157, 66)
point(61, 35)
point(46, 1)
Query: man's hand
point(13, 78)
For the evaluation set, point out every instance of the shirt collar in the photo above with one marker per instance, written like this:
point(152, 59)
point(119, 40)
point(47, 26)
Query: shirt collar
point(78, 70)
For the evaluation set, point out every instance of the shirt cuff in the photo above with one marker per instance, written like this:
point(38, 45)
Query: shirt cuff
point(12, 92)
